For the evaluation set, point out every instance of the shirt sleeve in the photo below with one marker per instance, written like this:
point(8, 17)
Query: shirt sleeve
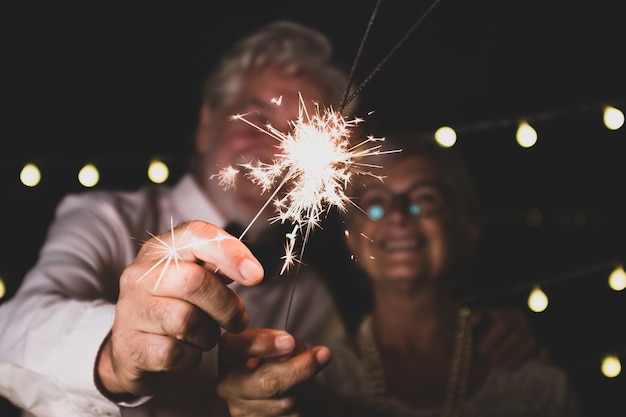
point(53, 327)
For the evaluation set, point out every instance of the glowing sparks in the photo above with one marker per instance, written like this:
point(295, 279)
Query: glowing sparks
point(227, 177)
point(289, 257)
point(313, 164)
point(170, 252)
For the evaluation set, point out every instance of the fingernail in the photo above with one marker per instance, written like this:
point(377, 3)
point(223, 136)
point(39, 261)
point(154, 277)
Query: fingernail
point(250, 270)
point(285, 342)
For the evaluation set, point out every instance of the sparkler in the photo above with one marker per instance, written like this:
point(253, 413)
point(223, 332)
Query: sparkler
point(313, 164)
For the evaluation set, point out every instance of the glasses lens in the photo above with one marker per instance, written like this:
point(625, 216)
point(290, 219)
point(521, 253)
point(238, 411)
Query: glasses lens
point(375, 211)
point(415, 209)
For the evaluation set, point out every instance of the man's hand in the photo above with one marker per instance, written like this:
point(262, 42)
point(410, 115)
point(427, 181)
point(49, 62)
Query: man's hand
point(506, 337)
point(262, 373)
point(172, 305)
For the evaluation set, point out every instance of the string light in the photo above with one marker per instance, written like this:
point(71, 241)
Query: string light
point(445, 136)
point(30, 175)
point(537, 300)
point(611, 366)
point(526, 135)
point(158, 171)
point(617, 279)
point(613, 118)
point(89, 176)
point(535, 288)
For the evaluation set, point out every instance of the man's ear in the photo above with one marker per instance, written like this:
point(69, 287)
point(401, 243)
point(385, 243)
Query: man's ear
point(203, 129)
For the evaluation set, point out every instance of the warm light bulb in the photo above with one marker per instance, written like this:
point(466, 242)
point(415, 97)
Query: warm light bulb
point(617, 279)
point(88, 176)
point(445, 136)
point(158, 172)
point(526, 136)
point(611, 366)
point(537, 300)
point(613, 118)
point(3, 288)
point(30, 175)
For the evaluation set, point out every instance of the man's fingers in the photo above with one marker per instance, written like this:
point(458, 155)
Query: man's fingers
point(260, 369)
point(201, 242)
point(206, 291)
point(178, 319)
point(182, 265)
point(152, 355)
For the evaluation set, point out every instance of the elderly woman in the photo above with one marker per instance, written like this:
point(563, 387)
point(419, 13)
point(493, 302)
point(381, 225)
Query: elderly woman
point(412, 233)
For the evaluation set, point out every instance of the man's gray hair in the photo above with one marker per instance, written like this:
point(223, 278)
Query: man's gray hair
point(289, 45)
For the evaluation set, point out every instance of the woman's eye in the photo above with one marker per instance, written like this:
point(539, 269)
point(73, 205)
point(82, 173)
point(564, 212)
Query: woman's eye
point(415, 209)
point(425, 204)
point(375, 211)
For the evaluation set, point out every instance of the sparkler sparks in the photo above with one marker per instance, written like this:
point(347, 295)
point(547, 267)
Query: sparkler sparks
point(313, 164)
point(171, 252)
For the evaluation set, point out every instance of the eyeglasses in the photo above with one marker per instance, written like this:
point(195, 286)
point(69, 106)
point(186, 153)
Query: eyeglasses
point(420, 200)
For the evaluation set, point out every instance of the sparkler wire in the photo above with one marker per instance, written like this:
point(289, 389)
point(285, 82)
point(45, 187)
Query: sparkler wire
point(391, 52)
point(267, 202)
point(345, 101)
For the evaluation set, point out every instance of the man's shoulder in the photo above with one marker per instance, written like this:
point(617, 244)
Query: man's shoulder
point(147, 194)
point(133, 210)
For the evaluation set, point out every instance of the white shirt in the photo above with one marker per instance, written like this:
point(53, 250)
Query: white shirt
point(52, 328)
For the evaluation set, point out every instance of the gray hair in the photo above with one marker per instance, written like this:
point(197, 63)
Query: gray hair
point(293, 47)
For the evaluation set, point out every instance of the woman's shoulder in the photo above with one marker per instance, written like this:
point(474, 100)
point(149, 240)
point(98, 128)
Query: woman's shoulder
point(534, 387)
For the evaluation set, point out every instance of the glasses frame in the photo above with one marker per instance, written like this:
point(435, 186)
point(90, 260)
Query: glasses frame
point(404, 202)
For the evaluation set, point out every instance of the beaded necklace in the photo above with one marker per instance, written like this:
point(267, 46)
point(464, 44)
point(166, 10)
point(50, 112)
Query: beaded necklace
point(459, 375)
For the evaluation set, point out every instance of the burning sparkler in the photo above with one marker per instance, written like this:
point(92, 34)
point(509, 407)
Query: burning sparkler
point(313, 164)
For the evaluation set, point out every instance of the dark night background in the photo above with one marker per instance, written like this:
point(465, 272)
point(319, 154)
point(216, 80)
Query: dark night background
point(116, 83)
